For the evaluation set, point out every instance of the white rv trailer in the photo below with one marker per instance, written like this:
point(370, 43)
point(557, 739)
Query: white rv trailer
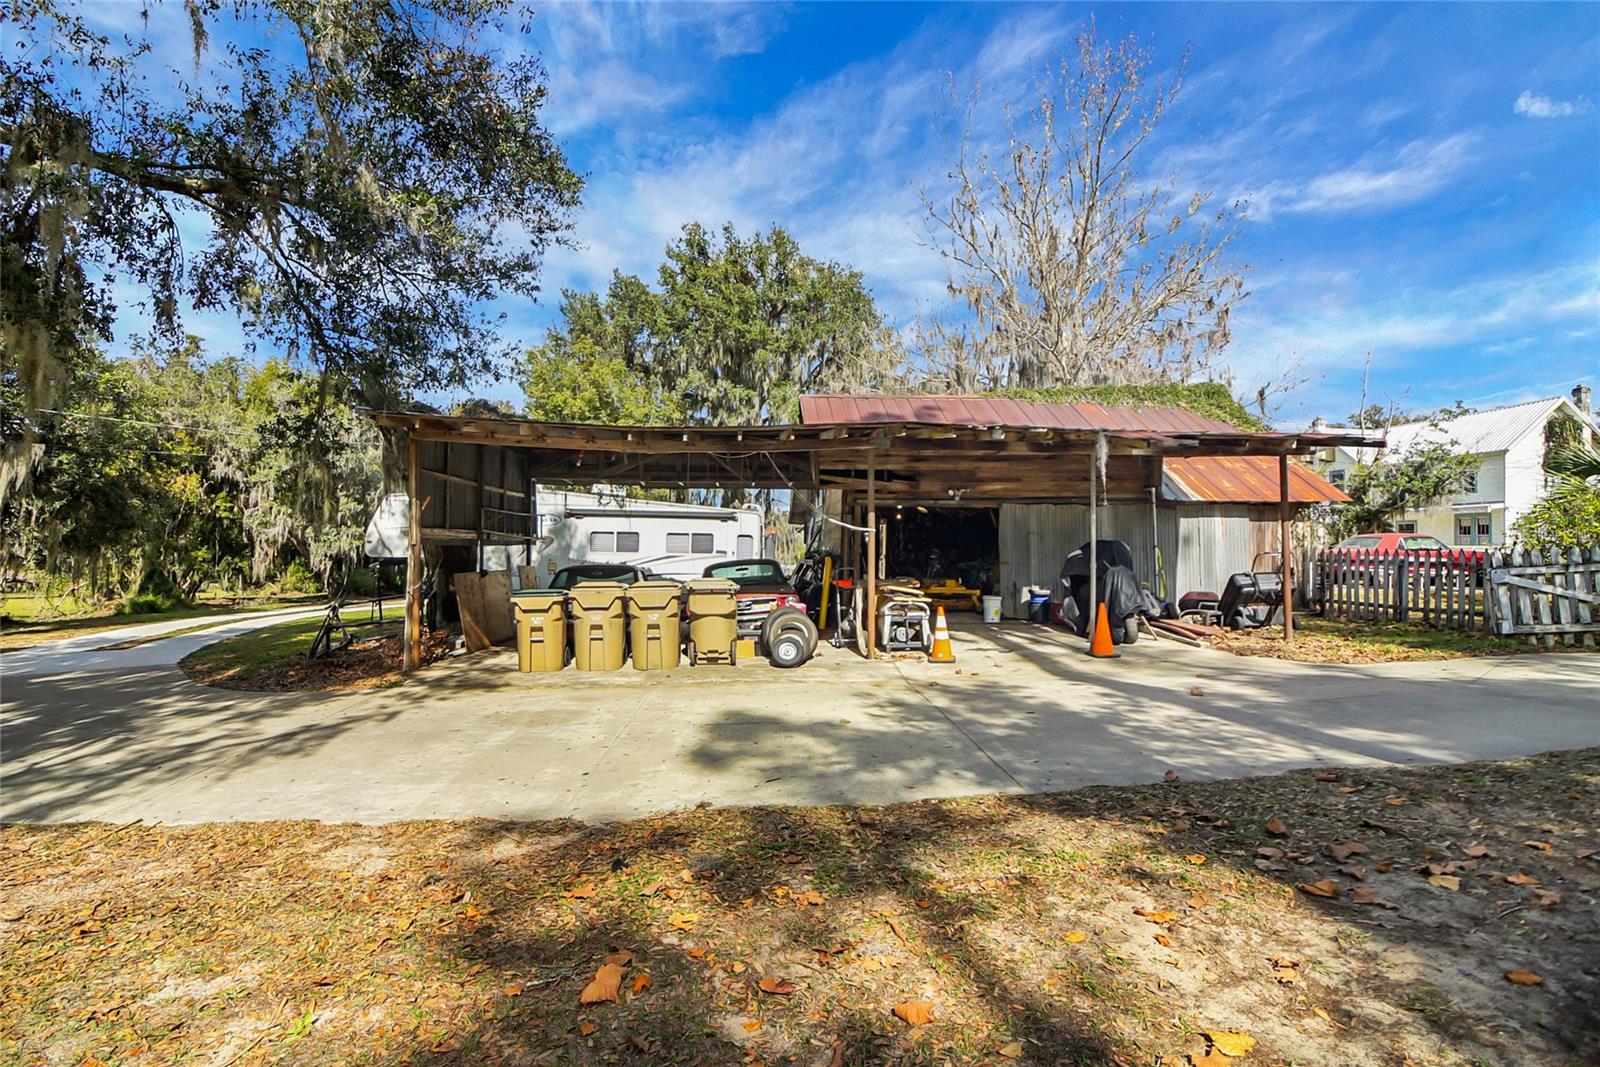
point(672, 540)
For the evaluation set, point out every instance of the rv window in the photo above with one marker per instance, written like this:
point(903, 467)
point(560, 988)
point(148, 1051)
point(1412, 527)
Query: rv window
point(627, 541)
point(703, 544)
point(747, 546)
point(602, 542)
point(678, 542)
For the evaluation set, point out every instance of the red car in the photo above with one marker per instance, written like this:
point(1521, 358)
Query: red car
point(1411, 545)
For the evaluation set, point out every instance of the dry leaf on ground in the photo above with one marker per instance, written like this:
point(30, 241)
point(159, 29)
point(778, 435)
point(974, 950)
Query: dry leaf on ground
point(603, 987)
point(1195, 858)
point(1522, 878)
point(1075, 936)
point(915, 1012)
point(1156, 916)
point(683, 920)
point(1363, 895)
point(1011, 1051)
point(1546, 898)
point(1170, 776)
point(580, 892)
point(1446, 881)
point(1212, 1058)
point(1276, 828)
point(641, 982)
point(1343, 850)
point(1521, 977)
point(1231, 1042)
point(781, 987)
point(1542, 846)
point(1321, 888)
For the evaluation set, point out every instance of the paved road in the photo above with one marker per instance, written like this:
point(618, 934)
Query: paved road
point(116, 740)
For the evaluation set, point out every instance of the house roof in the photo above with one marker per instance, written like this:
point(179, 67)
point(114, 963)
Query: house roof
point(1480, 432)
point(986, 411)
point(1241, 480)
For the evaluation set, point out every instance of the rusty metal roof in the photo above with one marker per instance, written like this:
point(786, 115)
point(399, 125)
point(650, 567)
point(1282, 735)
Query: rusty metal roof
point(1242, 480)
point(1003, 411)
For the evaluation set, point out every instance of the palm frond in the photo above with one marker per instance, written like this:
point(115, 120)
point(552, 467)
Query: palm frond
point(1577, 461)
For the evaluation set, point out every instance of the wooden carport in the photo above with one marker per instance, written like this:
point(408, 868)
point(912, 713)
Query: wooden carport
point(471, 478)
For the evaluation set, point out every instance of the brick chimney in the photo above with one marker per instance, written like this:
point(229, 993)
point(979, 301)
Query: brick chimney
point(1582, 399)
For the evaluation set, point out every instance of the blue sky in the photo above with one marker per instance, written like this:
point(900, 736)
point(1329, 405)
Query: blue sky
point(1422, 180)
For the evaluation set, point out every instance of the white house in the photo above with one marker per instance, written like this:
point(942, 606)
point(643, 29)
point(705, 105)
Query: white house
point(1510, 445)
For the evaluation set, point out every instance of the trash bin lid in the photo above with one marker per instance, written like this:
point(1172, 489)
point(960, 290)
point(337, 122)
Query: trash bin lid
point(538, 594)
point(711, 585)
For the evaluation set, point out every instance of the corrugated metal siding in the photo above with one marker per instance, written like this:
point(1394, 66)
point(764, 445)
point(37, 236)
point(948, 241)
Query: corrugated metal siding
point(1035, 539)
point(1201, 544)
point(1003, 411)
point(1242, 480)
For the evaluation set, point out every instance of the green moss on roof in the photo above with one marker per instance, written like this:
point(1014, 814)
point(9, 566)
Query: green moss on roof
point(1211, 399)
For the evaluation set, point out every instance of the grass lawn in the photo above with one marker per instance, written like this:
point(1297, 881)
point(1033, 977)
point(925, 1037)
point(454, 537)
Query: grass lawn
point(1431, 915)
point(272, 658)
point(1319, 640)
point(32, 630)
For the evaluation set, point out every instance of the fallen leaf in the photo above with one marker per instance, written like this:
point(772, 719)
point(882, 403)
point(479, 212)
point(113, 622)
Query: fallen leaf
point(1156, 916)
point(1011, 1051)
point(1195, 858)
point(1522, 878)
point(1478, 852)
point(580, 892)
point(683, 920)
point(1321, 888)
point(1163, 940)
point(621, 958)
point(1170, 776)
point(653, 888)
point(1276, 828)
point(1075, 936)
point(1268, 852)
point(752, 1025)
point(1546, 898)
point(1327, 776)
point(641, 982)
point(1446, 881)
point(925, 903)
point(1394, 802)
point(1348, 789)
point(915, 1012)
point(1520, 977)
point(811, 897)
point(1362, 895)
point(1343, 850)
point(514, 989)
point(587, 1028)
point(1354, 870)
point(1384, 867)
point(1196, 691)
point(1542, 846)
point(1231, 1042)
point(1199, 900)
point(607, 980)
point(1212, 1058)
point(780, 987)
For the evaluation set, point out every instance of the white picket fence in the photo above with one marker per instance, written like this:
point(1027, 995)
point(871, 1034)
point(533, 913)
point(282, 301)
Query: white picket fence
point(1547, 600)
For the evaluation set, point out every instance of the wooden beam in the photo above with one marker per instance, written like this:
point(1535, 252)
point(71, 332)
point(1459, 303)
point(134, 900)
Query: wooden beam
point(872, 558)
point(411, 643)
point(1286, 546)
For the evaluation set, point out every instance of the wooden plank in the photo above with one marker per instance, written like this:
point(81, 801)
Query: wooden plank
point(411, 642)
point(1286, 549)
point(1554, 590)
point(468, 587)
point(498, 621)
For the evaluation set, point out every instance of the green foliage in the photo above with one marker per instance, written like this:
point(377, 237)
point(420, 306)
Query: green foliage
point(1211, 399)
point(1569, 515)
point(1379, 492)
point(739, 329)
point(1378, 417)
point(369, 179)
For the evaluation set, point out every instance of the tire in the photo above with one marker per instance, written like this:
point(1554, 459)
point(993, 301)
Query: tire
point(788, 648)
point(1130, 629)
point(804, 627)
point(786, 619)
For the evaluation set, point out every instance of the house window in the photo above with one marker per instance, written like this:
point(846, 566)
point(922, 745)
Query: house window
point(704, 544)
point(1405, 527)
point(602, 542)
point(1336, 478)
point(627, 541)
point(678, 542)
point(1474, 530)
point(1469, 484)
point(747, 546)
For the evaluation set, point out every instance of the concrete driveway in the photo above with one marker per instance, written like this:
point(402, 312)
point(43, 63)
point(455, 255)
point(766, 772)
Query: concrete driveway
point(1023, 710)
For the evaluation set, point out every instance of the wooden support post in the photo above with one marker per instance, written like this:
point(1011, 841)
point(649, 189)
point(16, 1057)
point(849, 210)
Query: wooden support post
point(872, 557)
point(1094, 548)
point(1286, 545)
point(411, 645)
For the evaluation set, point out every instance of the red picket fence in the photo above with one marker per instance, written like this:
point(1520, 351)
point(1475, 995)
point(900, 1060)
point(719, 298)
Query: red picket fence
point(1444, 589)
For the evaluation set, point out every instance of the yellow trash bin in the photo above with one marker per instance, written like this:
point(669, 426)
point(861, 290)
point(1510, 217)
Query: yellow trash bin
point(653, 611)
point(541, 629)
point(599, 640)
point(713, 605)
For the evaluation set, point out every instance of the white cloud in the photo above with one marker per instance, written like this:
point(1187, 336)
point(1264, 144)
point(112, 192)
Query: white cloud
point(1535, 106)
point(1418, 170)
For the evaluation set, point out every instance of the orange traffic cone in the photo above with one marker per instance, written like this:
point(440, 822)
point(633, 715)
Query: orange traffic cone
point(1100, 645)
point(941, 653)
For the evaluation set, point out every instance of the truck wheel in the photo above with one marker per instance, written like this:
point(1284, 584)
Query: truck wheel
point(789, 648)
point(1130, 629)
point(789, 619)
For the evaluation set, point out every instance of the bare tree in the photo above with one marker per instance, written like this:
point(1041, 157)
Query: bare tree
point(1075, 268)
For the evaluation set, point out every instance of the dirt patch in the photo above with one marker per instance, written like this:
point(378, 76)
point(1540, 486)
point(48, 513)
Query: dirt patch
point(1318, 640)
point(1334, 917)
point(367, 663)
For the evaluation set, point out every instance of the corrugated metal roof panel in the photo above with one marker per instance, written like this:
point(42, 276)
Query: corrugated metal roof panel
point(1242, 480)
point(1495, 430)
point(1004, 411)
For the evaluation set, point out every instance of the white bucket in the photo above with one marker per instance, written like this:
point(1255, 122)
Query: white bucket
point(991, 609)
